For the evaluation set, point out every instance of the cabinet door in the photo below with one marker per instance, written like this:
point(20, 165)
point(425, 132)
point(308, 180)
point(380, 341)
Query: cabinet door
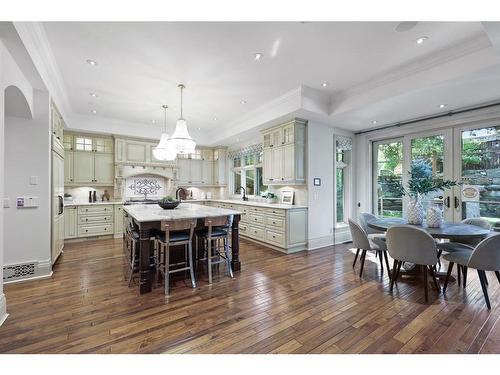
point(277, 164)
point(104, 145)
point(83, 167)
point(68, 167)
point(267, 167)
point(196, 171)
point(103, 168)
point(68, 142)
point(288, 134)
point(118, 218)
point(277, 137)
point(288, 162)
point(70, 225)
point(135, 152)
point(184, 170)
point(215, 168)
point(207, 172)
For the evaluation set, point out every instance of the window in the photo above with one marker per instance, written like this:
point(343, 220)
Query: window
point(247, 172)
point(341, 170)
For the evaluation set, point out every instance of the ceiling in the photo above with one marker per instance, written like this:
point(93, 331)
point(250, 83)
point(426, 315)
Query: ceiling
point(373, 71)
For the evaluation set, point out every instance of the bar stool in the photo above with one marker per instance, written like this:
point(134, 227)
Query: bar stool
point(216, 230)
point(175, 233)
point(132, 248)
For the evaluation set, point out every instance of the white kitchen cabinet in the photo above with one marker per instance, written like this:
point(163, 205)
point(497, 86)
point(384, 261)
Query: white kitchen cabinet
point(284, 153)
point(70, 222)
point(57, 238)
point(68, 167)
point(68, 142)
point(207, 172)
point(83, 167)
point(196, 171)
point(103, 168)
point(118, 219)
point(57, 126)
point(136, 152)
point(219, 166)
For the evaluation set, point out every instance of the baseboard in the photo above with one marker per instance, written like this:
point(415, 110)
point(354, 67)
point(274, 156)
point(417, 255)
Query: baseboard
point(25, 271)
point(3, 309)
point(319, 242)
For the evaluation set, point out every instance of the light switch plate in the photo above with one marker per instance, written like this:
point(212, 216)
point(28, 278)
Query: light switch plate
point(6, 202)
point(33, 180)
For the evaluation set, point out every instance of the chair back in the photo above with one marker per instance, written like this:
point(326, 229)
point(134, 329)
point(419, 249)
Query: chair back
point(178, 225)
point(486, 255)
point(410, 244)
point(359, 237)
point(218, 221)
point(364, 219)
point(478, 222)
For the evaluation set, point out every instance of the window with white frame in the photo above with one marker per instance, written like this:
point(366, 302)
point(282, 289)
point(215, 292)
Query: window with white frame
point(246, 172)
point(342, 156)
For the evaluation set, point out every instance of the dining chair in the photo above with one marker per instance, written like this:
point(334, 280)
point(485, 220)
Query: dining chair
point(216, 230)
point(174, 234)
point(375, 235)
point(484, 257)
point(362, 243)
point(406, 243)
point(465, 245)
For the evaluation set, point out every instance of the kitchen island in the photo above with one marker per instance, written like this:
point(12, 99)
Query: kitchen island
point(148, 218)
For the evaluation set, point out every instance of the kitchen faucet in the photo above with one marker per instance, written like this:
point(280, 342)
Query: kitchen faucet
point(244, 193)
point(177, 193)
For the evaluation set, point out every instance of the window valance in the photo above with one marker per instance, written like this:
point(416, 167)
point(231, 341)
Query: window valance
point(343, 143)
point(249, 150)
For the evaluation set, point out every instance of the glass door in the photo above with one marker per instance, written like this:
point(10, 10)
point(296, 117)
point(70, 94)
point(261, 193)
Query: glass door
point(436, 150)
point(477, 166)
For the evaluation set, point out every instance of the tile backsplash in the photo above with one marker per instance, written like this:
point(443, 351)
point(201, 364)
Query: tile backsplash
point(81, 194)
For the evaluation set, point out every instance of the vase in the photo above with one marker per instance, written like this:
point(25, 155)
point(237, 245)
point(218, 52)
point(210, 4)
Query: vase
point(415, 212)
point(434, 217)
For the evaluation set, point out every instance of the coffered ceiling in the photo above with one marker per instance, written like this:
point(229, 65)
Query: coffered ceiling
point(372, 72)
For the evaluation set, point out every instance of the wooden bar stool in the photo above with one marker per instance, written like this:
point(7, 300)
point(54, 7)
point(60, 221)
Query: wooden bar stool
point(132, 249)
point(175, 233)
point(216, 230)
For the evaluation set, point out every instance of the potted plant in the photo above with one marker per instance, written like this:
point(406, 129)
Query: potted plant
point(168, 203)
point(421, 182)
point(269, 196)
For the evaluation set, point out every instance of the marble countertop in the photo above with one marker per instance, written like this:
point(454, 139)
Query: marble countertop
point(77, 203)
point(152, 212)
point(250, 203)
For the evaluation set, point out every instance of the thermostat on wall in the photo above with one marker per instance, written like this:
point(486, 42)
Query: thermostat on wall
point(27, 202)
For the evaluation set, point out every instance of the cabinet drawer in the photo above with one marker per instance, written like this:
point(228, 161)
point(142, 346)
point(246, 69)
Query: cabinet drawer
point(256, 210)
point(101, 209)
point(257, 233)
point(275, 238)
point(255, 219)
point(94, 230)
point(274, 211)
point(88, 219)
point(275, 222)
point(243, 229)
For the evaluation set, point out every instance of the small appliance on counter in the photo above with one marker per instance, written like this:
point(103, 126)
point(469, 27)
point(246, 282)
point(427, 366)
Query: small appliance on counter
point(203, 195)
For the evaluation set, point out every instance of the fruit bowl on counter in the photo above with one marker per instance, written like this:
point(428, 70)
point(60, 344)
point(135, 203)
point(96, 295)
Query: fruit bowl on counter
point(168, 203)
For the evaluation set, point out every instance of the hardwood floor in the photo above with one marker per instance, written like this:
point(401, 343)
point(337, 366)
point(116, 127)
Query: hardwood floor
point(301, 303)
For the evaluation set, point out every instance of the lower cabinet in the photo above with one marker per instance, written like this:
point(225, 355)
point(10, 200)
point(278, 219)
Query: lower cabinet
point(90, 221)
point(118, 219)
point(70, 222)
point(282, 229)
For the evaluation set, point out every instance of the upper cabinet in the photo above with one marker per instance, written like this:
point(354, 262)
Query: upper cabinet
point(89, 160)
point(57, 125)
point(206, 167)
point(284, 153)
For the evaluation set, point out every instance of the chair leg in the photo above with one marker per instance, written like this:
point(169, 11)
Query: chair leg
point(228, 261)
point(464, 273)
point(394, 272)
point(166, 278)
point(426, 289)
point(485, 278)
point(355, 258)
point(363, 256)
point(132, 263)
point(432, 271)
point(209, 260)
point(498, 275)
point(191, 268)
point(439, 257)
point(450, 268)
point(482, 278)
point(387, 264)
point(459, 273)
point(381, 261)
point(400, 263)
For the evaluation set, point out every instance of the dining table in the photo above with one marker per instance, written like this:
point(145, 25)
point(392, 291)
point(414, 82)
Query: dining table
point(148, 218)
point(455, 232)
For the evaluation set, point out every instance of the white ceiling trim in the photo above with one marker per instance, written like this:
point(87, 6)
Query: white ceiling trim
point(36, 43)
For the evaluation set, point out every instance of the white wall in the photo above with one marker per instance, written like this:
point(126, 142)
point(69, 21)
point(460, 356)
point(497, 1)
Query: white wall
point(321, 199)
point(27, 153)
point(3, 303)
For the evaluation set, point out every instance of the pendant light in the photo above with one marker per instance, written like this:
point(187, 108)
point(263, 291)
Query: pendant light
point(164, 151)
point(181, 141)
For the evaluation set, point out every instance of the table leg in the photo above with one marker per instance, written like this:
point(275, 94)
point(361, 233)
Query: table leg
point(235, 244)
point(145, 254)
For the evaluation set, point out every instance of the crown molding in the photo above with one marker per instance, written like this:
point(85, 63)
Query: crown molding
point(36, 43)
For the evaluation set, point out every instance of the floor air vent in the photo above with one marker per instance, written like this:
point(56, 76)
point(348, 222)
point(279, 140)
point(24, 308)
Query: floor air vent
point(18, 271)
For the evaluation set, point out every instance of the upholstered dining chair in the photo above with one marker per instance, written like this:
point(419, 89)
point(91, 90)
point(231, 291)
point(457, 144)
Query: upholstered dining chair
point(485, 257)
point(463, 246)
point(362, 243)
point(406, 243)
point(375, 235)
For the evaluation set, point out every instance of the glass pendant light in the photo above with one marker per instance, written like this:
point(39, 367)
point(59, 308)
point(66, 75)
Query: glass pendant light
point(164, 151)
point(181, 141)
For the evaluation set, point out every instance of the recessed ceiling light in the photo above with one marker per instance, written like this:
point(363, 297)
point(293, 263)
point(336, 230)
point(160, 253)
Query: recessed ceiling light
point(93, 94)
point(153, 121)
point(237, 139)
point(442, 105)
point(422, 39)
point(94, 111)
point(215, 118)
point(243, 101)
point(91, 62)
point(374, 122)
point(199, 128)
point(324, 84)
point(258, 56)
